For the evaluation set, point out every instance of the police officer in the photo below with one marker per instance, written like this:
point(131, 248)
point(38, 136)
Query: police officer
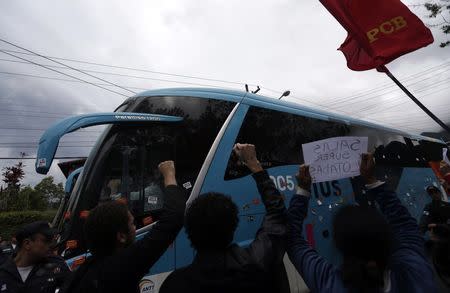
point(6, 250)
point(32, 268)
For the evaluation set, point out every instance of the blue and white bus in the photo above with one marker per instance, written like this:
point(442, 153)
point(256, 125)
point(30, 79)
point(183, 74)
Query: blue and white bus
point(197, 128)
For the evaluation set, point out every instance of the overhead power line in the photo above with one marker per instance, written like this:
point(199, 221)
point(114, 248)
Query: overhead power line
point(68, 66)
point(69, 135)
point(381, 93)
point(33, 147)
point(371, 95)
point(398, 100)
point(60, 72)
point(60, 79)
point(38, 129)
point(36, 143)
point(34, 158)
point(57, 115)
point(422, 88)
point(303, 99)
point(154, 79)
point(142, 70)
point(388, 85)
point(30, 116)
point(321, 106)
point(408, 116)
point(7, 102)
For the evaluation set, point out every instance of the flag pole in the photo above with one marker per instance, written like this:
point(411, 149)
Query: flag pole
point(384, 69)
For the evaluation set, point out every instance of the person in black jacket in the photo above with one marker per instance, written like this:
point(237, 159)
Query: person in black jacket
point(6, 250)
point(221, 266)
point(117, 264)
point(436, 212)
point(439, 255)
point(32, 268)
point(436, 220)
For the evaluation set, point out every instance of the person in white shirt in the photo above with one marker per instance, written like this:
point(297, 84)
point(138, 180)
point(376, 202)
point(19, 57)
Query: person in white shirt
point(33, 268)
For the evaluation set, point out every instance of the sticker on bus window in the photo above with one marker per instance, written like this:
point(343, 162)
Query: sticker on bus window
point(42, 162)
point(187, 185)
point(152, 200)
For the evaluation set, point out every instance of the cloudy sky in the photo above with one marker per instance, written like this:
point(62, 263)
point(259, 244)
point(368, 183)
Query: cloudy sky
point(277, 44)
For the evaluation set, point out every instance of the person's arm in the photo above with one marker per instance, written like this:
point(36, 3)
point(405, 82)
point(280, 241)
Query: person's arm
point(61, 271)
point(314, 269)
point(403, 225)
point(131, 264)
point(268, 247)
point(425, 219)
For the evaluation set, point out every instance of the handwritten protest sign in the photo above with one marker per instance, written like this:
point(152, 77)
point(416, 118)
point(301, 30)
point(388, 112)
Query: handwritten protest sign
point(334, 158)
point(445, 157)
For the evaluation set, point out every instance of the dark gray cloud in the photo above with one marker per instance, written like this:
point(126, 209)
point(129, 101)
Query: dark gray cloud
point(279, 45)
point(27, 108)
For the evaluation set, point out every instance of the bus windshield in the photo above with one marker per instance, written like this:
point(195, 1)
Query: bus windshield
point(130, 169)
point(123, 166)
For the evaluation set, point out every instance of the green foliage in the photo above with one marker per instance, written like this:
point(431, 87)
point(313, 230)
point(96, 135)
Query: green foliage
point(440, 9)
point(11, 221)
point(20, 201)
point(12, 175)
point(446, 29)
point(36, 200)
point(46, 194)
point(21, 205)
point(49, 190)
point(433, 8)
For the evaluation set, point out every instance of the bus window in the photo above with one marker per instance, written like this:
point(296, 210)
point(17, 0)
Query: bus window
point(63, 207)
point(130, 172)
point(278, 137)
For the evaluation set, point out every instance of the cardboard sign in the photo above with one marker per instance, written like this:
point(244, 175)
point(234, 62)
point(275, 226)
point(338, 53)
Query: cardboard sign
point(444, 156)
point(334, 158)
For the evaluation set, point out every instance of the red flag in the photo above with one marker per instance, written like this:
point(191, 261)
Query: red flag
point(379, 31)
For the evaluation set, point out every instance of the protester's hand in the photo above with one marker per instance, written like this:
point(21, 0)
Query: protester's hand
point(438, 232)
point(367, 168)
point(304, 177)
point(247, 154)
point(445, 183)
point(167, 169)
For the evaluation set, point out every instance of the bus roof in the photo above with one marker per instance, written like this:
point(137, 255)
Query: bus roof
point(271, 103)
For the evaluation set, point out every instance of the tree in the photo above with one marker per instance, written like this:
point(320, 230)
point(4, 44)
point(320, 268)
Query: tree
point(11, 176)
point(36, 200)
point(440, 9)
point(51, 192)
